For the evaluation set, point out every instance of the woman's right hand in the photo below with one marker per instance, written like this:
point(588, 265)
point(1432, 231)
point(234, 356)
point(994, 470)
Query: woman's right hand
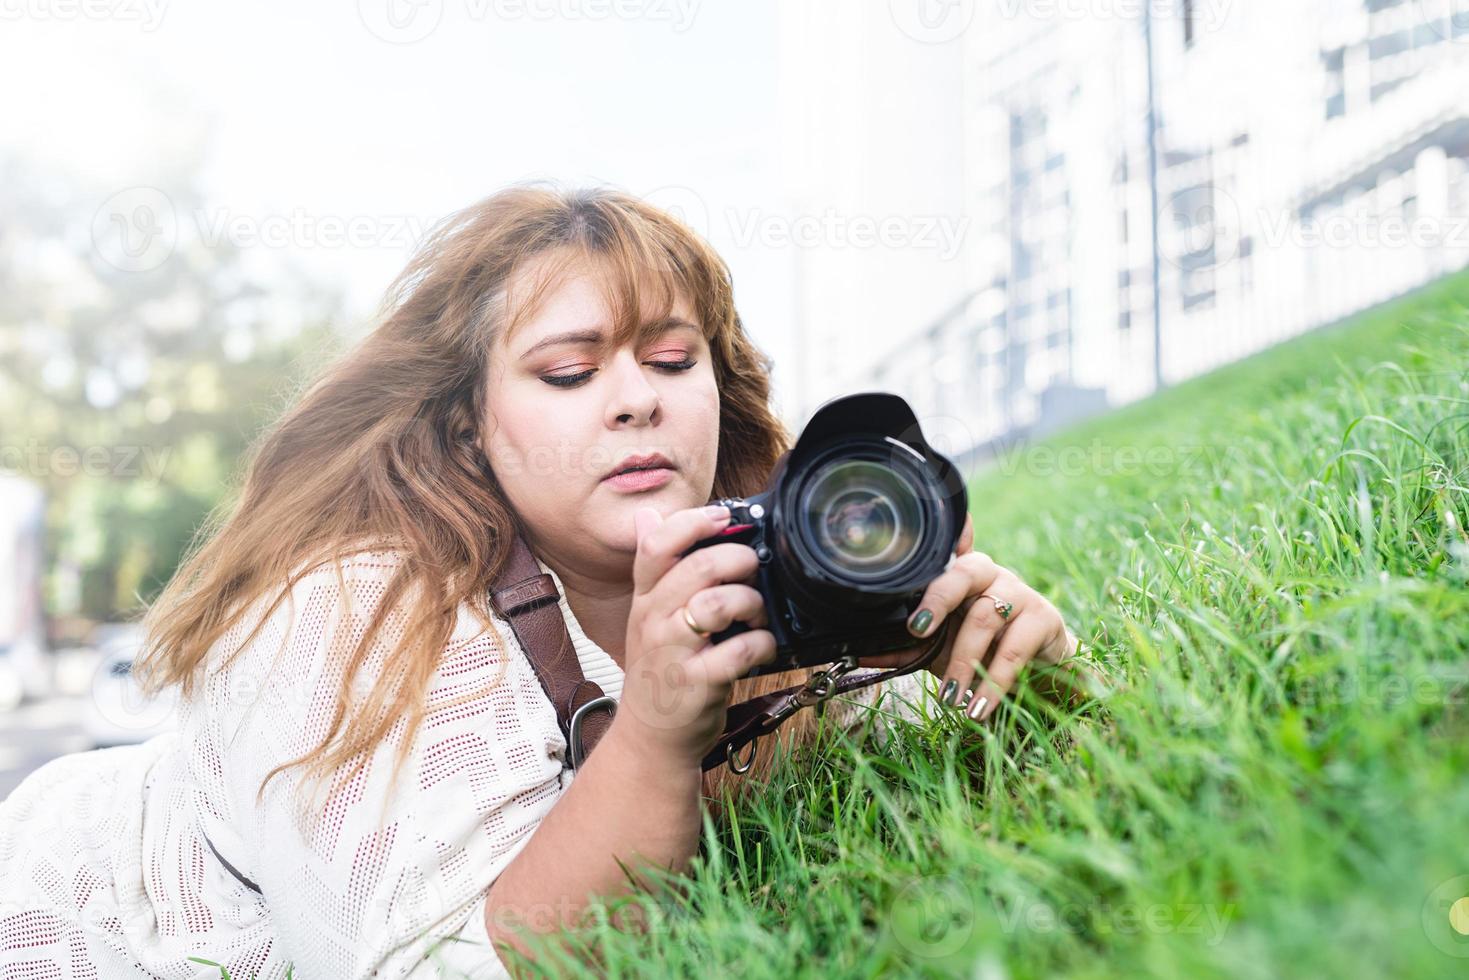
point(677, 684)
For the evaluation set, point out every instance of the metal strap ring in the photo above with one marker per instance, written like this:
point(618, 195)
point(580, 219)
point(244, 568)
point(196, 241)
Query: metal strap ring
point(573, 738)
point(749, 758)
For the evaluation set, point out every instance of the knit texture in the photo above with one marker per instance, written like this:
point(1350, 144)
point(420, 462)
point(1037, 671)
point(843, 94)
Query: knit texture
point(104, 869)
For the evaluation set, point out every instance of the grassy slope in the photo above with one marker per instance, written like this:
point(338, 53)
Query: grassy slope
point(1275, 578)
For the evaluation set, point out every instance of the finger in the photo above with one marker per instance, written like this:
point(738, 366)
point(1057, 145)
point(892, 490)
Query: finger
point(1021, 597)
point(662, 541)
point(968, 574)
point(966, 537)
point(1072, 680)
point(1022, 639)
point(903, 656)
point(1063, 646)
point(1070, 684)
point(727, 662)
point(717, 564)
point(981, 626)
point(718, 607)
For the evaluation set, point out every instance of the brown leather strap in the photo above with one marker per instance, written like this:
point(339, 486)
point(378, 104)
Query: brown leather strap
point(527, 598)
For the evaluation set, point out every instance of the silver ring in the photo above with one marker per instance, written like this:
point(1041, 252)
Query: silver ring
point(689, 618)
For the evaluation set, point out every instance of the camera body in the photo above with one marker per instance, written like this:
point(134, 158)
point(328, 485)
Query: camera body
point(860, 515)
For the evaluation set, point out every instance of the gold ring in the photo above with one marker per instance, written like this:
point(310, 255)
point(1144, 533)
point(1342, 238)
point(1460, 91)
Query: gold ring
point(1001, 606)
point(688, 618)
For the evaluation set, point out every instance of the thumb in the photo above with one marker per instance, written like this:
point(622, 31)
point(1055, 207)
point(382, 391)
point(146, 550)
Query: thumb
point(645, 519)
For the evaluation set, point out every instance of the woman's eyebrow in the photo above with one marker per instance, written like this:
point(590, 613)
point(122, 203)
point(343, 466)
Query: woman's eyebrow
point(596, 336)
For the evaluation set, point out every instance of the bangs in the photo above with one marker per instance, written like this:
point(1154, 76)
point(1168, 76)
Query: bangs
point(641, 268)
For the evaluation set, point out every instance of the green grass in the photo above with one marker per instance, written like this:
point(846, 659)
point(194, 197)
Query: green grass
point(1270, 563)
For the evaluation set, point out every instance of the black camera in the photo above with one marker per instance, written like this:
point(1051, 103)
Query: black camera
point(860, 516)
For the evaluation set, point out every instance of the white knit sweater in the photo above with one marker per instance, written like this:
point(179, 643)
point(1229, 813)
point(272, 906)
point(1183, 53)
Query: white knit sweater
point(105, 872)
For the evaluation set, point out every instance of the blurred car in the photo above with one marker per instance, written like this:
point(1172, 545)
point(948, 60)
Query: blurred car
point(24, 666)
point(118, 712)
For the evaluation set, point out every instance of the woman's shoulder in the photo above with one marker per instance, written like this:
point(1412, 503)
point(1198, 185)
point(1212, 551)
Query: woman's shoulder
point(326, 603)
point(353, 577)
point(329, 629)
point(270, 596)
point(373, 559)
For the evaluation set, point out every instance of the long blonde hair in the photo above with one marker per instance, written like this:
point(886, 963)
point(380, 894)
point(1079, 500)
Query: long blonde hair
point(382, 448)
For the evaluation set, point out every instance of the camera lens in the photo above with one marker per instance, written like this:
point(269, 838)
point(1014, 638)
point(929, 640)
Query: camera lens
point(864, 517)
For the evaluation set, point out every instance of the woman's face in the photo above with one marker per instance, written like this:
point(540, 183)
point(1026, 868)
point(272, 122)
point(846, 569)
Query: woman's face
point(560, 417)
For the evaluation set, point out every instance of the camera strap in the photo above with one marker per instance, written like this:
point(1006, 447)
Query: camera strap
point(527, 598)
point(744, 723)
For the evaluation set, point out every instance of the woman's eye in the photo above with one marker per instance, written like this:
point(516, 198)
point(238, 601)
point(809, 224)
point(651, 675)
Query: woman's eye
point(566, 380)
point(572, 380)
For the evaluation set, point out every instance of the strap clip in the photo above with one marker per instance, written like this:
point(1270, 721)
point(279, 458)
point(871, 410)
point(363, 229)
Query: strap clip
point(574, 747)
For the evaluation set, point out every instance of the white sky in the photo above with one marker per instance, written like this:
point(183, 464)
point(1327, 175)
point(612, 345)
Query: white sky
point(310, 112)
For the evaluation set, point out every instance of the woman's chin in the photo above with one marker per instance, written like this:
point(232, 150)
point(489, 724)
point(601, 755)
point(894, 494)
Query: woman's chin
point(666, 500)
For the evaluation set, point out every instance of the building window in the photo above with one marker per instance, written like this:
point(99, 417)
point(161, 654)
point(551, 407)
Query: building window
point(1336, 98)
point(1192, 233)
point(1387, 45)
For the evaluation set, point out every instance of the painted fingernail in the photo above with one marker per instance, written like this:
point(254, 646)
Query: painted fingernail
point(965, 699)
point(951, 691)
point(919, 624)
point(977, 707)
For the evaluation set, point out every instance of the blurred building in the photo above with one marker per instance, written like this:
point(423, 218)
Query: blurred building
point(874, 160)
point(1310, 161)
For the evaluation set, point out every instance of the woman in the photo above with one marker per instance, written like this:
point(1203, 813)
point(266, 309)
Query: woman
point(334, 633)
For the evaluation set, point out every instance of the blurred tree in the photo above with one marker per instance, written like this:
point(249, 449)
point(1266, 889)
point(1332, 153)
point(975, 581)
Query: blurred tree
point(137, 364)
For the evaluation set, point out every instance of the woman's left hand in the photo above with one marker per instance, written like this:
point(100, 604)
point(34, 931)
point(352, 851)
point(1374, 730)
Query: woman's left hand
point(974, 587)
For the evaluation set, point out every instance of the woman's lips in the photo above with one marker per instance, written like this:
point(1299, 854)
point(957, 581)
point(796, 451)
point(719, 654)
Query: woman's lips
point(634, 481)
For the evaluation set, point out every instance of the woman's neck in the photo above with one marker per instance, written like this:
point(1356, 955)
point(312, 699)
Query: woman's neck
point(601, 601)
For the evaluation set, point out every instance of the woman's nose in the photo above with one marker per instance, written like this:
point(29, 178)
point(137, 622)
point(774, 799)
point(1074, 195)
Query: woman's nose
point(634, 398)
